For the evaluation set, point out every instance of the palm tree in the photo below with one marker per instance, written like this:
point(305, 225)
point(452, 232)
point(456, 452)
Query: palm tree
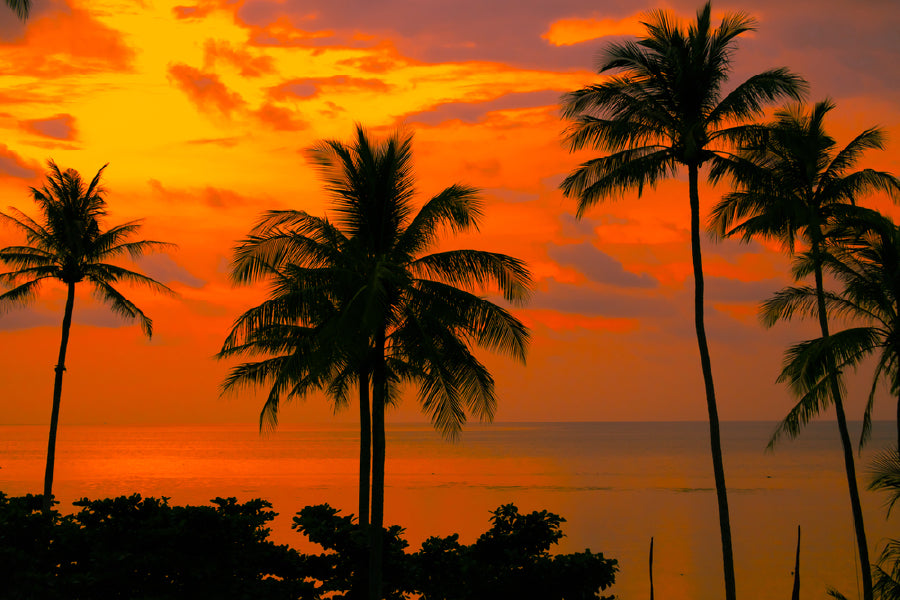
point(20, 7)
point(664, 108)
point(307, 261)
point(791, 182)
point(369, 301)
point(70, 246)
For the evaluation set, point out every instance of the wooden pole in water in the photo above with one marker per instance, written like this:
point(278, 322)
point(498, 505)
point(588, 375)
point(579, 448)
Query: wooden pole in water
point(651, 568)
point(795, 595)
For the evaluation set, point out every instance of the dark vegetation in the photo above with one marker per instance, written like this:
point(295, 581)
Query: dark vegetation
point(145, 549)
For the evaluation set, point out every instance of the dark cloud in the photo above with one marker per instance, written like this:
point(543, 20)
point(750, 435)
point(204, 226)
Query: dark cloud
point(210, 196)
point(13, 165)
point(473, 112)
point(598, 266)
point(726, 289)
point(59, 127)
point(248, 65)
point(162, 268)
point(509, 196)
point(589, 300)
point(439, 31)
point(205, 89)
point(309, 87)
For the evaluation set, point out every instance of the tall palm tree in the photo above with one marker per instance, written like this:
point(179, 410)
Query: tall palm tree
point(70, 246)
point(793, 183)
point(370, 301)
point(309, 264)
point(663, 108)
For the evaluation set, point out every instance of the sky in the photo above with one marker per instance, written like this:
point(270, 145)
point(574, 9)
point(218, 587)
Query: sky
point(203, 112)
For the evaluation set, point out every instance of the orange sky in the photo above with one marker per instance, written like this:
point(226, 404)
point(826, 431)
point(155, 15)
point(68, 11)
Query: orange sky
point(203, 111)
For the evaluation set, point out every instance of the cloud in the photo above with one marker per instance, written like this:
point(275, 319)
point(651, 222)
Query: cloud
point(474, 112)
point(726, 289)
point(280, 118)
point(567, 32)
point(205, 89)
point(64, 43)
point(592, 301)
point(247, 64)
point(227, 142)
point(429, 32)
point(310, 87)
point(164, 269)
point(208, 196)
point(598, 266)
point(58, 127)
point(13, 165)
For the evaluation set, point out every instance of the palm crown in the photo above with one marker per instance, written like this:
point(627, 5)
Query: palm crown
point(665, 106)
point(70, 246)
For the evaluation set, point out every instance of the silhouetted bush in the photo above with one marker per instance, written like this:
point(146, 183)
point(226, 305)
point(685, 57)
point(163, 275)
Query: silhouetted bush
point(144, 549)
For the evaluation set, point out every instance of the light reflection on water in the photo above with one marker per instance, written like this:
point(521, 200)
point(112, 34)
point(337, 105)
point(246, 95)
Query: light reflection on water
point(616, 484)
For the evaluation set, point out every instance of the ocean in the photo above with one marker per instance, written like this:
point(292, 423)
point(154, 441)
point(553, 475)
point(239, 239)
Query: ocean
point(616, 484)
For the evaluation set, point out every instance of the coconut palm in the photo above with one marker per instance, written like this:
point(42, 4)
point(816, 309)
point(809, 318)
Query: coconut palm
point(309, 265)
point(369, 300)
point(864, 256)
point(661, 109)
point(793, 183)
point(70, 246)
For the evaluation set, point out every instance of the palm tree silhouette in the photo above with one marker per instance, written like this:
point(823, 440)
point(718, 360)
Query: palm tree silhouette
point(664, 108)
point(70, 246)
point(792, 183)
point(310, 266)
point(372, 304)
point(863, 254)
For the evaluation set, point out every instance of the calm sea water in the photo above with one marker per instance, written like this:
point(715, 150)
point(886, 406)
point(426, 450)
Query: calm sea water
point(616, 484)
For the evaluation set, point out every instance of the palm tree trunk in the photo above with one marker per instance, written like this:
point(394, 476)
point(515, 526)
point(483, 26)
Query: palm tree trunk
point(365, 447)
point(361, 580)
point(57, 396)
point(376, 548)
point(850, 467)
point(706, 365)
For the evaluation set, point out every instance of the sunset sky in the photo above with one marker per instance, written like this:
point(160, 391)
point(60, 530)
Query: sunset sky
point(203, 112)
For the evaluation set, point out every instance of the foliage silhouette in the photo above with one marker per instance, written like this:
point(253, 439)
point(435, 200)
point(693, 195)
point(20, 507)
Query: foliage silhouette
point(792, 182)
point(663, 108)
point(145, 549)
point(70, 246)
point(885, 476)
point(863, 255)
point(372, 284)
point(21, 7)
point(142, 548)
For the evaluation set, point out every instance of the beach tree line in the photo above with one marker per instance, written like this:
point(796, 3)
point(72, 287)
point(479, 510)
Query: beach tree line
point(139, 548)
point(364, 303)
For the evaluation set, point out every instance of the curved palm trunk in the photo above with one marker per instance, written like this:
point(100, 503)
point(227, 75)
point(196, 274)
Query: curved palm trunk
point(706, 365)
point(849, 466)
point(57, 396)
point(376, 547)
